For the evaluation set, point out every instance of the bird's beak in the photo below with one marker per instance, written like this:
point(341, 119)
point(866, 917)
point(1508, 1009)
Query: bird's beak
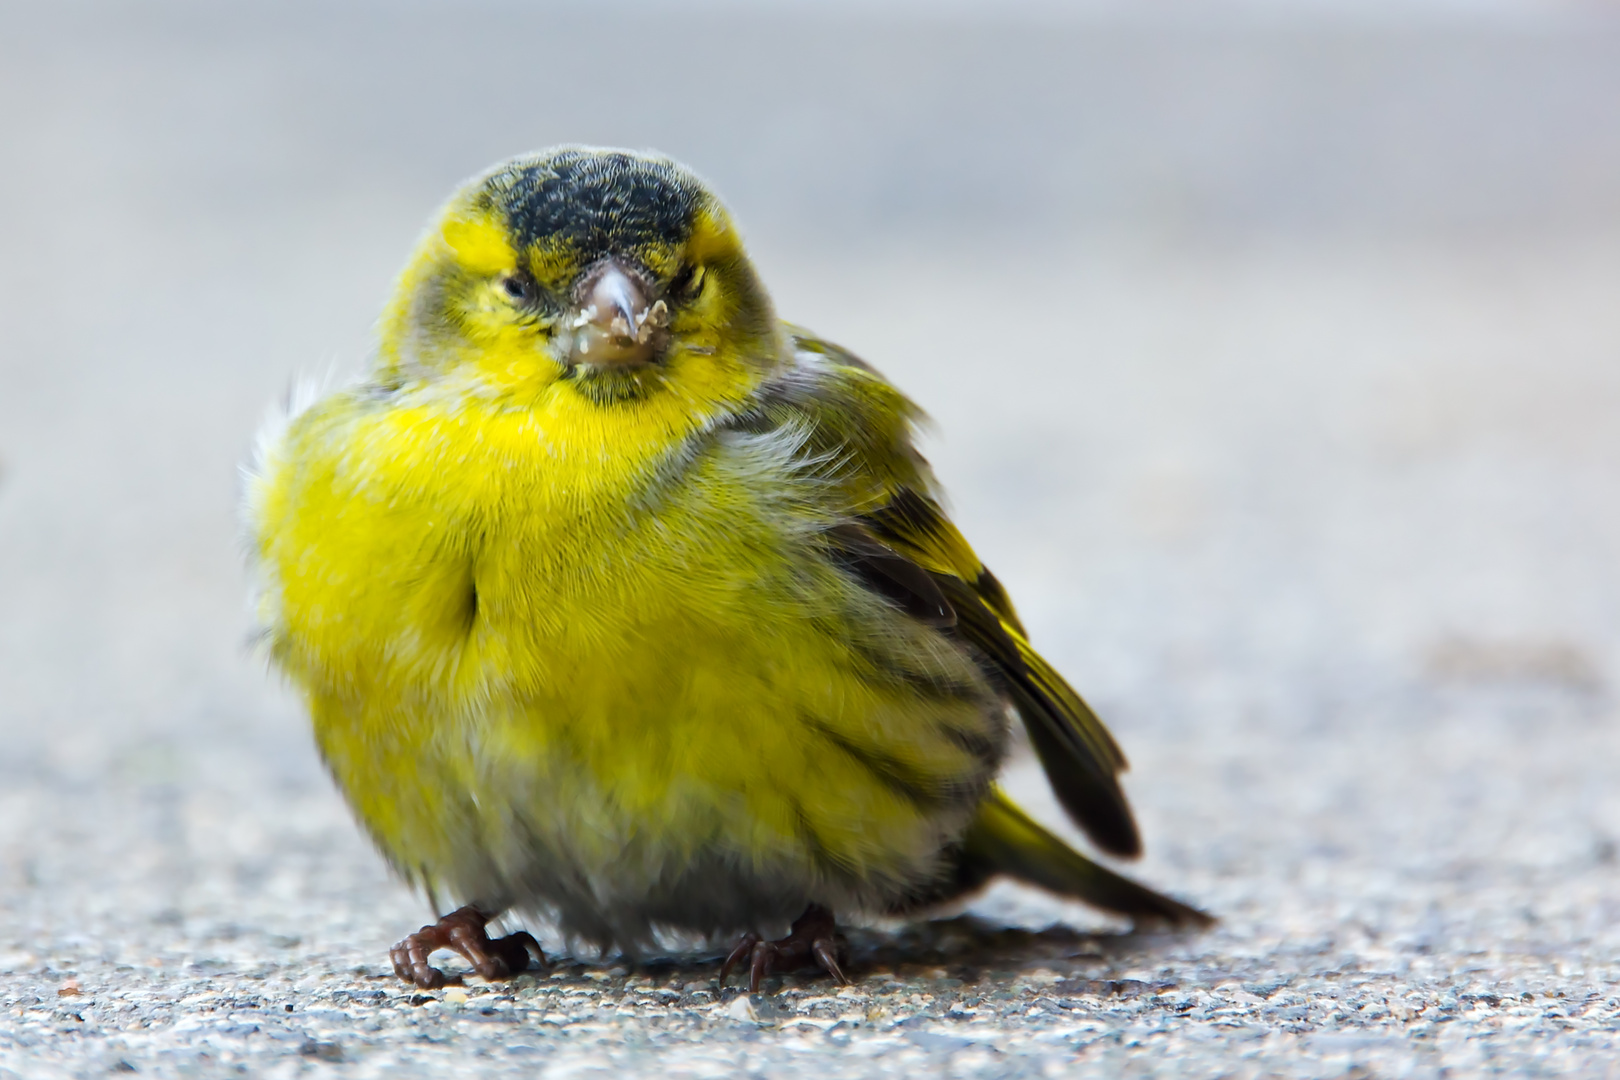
point(615, 321)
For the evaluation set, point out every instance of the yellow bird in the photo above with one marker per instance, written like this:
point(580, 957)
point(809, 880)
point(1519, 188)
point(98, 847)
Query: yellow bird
point(618, 601)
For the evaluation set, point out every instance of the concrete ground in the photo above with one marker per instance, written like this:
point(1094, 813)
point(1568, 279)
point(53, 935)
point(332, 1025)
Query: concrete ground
point(1274, 360)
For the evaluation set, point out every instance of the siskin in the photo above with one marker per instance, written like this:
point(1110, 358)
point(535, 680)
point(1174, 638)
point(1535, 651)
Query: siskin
point(616, 600)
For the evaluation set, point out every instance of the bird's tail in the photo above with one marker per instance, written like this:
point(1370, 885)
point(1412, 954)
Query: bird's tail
point(1005, 840)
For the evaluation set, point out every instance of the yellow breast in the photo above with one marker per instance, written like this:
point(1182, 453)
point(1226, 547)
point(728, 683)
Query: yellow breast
point(512, 621)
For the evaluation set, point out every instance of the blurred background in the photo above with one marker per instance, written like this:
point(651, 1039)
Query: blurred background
point(1273, 350)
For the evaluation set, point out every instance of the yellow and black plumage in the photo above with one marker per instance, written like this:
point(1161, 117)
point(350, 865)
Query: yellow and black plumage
point(617, 600)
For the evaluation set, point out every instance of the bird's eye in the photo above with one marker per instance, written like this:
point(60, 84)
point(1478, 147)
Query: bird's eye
point(688, 282)
point(518, 288)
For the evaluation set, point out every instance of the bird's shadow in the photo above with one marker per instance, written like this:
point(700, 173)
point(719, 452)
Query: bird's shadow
point(962, 948)
point(976, 941)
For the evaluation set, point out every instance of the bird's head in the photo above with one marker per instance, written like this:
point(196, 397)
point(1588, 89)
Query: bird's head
point(612, 276)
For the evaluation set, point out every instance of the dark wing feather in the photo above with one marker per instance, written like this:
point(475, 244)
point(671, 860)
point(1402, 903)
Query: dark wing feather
point(1080, 758)
point(905, 584)
point(901, 545)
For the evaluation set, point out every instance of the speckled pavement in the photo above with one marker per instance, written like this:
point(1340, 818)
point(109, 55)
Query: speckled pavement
point(1278, 381)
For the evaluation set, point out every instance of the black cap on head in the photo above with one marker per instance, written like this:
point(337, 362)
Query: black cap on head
point(596, 202)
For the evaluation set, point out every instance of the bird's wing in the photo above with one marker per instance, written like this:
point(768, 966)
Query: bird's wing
point(900, 542)
point(1080, 757)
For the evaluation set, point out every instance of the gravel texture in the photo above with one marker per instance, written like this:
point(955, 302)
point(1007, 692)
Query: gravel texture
point(1290, 425)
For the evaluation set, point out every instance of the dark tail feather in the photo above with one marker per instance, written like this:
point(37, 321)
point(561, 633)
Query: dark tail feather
point(1005, 840)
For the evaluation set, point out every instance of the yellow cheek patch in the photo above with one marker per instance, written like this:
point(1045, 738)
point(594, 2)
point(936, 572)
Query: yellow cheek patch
point(480, 245)
point(712, 236)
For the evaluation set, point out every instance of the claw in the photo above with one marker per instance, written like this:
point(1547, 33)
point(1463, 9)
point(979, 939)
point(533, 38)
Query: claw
point(759, 965)
point(744, 947)
point(814, 939)
point(823, 948)
point(463, 931)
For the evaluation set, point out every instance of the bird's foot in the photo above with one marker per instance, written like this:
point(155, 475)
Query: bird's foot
point(463, 931)
point(814, 939)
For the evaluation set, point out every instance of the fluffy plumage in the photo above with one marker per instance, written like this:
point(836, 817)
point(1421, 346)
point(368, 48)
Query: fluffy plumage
point(617, 600)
